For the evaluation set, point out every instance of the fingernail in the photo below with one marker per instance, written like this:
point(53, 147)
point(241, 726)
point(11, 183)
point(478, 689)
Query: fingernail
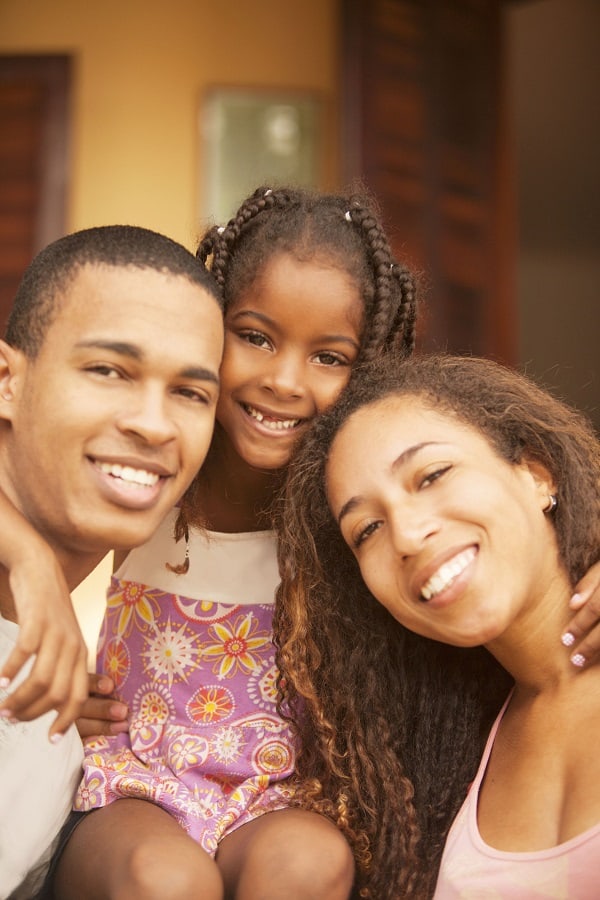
point(578, 659)
point(4, 682)
point(5, 713)
point(56, 738)
point(567, 639)
point(104, 684)
point(575, 601)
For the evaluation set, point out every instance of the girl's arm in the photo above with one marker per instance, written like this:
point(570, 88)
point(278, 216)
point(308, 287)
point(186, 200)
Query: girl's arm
point(48, 628)
point(582, 635)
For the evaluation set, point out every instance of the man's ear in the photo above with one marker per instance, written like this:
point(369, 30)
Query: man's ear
point(12, 367)
point(543, 482)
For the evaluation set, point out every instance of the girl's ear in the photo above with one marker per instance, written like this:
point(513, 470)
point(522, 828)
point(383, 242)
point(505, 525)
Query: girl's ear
point(543, 482)
point(12, 366)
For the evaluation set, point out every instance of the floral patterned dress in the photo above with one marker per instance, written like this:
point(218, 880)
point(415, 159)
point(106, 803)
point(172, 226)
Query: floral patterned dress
point(193, 658)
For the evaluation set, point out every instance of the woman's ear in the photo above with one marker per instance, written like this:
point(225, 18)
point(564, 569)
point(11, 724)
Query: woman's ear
point(12, 365)
point(544, 483)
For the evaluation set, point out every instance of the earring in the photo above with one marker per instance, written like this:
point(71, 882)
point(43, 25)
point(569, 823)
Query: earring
point(552, 504)
point(182, 568)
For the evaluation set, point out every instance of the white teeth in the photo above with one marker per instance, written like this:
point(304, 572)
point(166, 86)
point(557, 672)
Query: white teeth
point(273, 424)
point(446, 574)
point(129, 474)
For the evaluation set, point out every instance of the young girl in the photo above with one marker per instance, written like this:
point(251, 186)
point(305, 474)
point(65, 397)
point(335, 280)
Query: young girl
point(311, 289)
point(467, 502)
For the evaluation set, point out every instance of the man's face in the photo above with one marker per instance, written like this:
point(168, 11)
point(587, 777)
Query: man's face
point(112, 419)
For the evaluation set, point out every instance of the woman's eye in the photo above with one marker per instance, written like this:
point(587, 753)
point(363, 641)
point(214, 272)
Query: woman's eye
point(364, 533)
point(434, 476)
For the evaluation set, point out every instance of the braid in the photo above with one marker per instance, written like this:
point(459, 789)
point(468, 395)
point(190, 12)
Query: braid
point(221, 242)
point(391, 313)
point(344, 230)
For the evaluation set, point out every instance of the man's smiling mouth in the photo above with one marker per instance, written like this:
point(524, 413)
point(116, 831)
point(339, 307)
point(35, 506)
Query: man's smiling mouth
point(129, 475)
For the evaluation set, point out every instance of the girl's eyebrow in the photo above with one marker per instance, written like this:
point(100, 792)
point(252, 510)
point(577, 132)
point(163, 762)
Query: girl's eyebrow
point(266, 320)
point(400, 461)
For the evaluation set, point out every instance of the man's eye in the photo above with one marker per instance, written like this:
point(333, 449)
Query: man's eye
point(194, 395)
point(106, 370)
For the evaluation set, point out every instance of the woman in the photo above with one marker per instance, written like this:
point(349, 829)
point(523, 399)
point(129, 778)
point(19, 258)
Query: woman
point(434, 526)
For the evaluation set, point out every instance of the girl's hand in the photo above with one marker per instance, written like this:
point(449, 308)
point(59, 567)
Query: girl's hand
point(582, 634)
point(49, 631)
point(101, 713)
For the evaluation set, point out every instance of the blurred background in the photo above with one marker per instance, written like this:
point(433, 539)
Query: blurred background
point(476, 124)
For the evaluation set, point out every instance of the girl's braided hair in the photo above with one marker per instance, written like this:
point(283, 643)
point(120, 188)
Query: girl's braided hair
point(343, 230)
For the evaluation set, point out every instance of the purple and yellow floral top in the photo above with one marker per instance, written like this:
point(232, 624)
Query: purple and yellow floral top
point(192, 656)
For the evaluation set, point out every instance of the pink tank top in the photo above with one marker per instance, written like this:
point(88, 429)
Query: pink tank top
point(472, 869)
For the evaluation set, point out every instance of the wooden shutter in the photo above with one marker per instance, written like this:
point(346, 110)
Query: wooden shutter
point(424, 128)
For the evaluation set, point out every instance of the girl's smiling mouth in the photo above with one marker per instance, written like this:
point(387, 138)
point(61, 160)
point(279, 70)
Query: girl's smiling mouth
point(268, 420)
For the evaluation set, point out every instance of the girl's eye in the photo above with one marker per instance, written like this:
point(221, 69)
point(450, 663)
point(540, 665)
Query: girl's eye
point(256, 338)
point(434, 476)
point(327, 358)
point(364, 533)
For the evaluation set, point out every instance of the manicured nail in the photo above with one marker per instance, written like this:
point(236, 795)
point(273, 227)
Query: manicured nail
point(56, 738)
point(4, 682)
point(576, 601)
point(5, 713)
point(578, 659)
point(567, 639)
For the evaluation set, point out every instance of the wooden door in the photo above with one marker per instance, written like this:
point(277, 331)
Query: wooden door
point(33, 162)
point(424, 128)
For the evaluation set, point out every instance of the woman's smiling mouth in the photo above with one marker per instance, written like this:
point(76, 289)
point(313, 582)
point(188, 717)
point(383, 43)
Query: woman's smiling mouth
point(447, 573)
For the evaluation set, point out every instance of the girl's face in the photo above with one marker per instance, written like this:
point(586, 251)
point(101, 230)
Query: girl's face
point(290, 341)
point(449, 537)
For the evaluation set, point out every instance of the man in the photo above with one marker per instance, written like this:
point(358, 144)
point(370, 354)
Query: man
point(108, 387)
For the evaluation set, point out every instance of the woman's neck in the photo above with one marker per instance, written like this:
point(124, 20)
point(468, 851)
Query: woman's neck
point(231, 496)
point(530, 649)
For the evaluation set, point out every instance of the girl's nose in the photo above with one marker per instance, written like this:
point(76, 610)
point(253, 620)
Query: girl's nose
point(285, 376)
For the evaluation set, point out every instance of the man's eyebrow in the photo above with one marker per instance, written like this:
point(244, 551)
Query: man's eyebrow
point(124, 348)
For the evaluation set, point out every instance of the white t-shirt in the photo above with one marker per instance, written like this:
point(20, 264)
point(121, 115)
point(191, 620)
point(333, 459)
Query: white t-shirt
point(37, 783)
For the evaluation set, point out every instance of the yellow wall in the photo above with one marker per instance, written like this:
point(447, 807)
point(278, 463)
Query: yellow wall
point(141, 67)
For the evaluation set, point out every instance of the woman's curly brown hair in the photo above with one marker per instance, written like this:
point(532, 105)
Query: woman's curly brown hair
point(392, 725)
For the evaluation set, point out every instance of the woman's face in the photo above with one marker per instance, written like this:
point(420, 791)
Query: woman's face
point(449, 537)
